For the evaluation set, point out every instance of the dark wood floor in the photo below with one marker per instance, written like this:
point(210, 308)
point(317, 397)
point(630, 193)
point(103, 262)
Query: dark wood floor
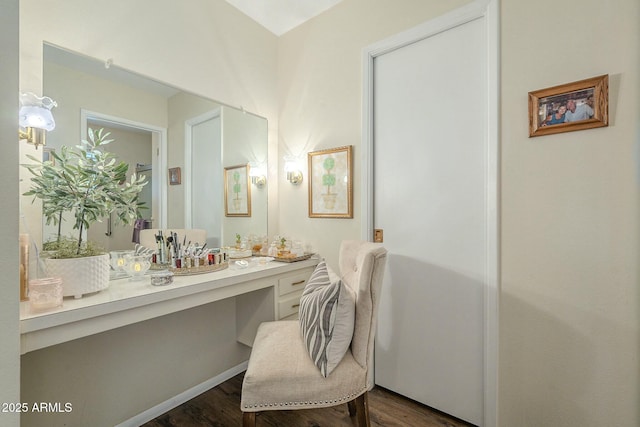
point(220, 407)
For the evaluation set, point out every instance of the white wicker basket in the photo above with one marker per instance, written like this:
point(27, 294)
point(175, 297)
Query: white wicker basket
point(80, 275)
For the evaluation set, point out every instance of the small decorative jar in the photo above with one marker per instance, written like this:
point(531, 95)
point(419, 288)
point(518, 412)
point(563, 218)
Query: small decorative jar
point(161, 278)
point(45, 294)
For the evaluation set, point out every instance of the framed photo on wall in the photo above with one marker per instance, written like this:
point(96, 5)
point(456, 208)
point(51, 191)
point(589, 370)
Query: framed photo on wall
point(330, 183)
point(237, 191)
point(175, 177)
point(573, 106)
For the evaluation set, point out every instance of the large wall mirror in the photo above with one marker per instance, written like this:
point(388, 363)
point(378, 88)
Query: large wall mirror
point(157, 128)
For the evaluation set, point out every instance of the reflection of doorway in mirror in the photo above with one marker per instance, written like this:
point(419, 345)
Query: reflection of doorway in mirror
point(203, 165)
point(135, 144)
point(132, 146)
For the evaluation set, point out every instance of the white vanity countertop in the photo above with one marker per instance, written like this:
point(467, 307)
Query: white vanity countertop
point(124, 294)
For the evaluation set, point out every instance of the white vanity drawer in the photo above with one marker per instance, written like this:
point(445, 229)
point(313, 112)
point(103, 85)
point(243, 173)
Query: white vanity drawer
point(294, 316)
point(289, 305)
point(293, 283)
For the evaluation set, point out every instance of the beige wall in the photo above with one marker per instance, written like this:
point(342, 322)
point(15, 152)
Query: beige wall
point(9, 288)
point(569, 341)
point(570, 297)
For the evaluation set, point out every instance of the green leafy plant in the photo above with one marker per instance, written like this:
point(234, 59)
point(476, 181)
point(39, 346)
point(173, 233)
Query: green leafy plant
point(329, 179)
point(88, 182)
point(67, 247)
point(236, 187)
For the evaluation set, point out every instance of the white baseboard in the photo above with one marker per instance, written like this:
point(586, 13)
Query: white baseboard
point(183, 397)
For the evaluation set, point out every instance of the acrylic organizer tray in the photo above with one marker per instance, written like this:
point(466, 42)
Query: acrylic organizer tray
point(293, 259)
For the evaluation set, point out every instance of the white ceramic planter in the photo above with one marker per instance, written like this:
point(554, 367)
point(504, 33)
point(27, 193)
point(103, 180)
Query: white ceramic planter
point(80, 275)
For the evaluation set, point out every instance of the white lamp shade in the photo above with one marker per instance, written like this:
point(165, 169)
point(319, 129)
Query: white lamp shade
point(256, 170)
point(291, 166)
point(36, 117)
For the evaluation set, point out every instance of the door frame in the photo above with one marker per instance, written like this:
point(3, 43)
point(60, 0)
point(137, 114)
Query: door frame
point(159, 156)
point(489, 11)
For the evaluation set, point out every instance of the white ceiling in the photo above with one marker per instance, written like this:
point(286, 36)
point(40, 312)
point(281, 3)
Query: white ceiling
point(280, 16)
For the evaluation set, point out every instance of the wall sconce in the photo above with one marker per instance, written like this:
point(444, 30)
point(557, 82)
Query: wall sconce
point(35, 118)
point(257, 174)
point(292, 169)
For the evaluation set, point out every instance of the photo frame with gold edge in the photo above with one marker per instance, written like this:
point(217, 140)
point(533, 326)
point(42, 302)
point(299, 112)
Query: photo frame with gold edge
point(545, 103)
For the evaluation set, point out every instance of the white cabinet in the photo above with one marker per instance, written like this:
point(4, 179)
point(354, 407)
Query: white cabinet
point(290, 289)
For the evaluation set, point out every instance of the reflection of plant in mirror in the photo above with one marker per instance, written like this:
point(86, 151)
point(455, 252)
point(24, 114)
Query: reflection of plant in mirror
point(328, 178)
point(236, 186)
point(238, 238)
point(67, 247)
point(88, 182)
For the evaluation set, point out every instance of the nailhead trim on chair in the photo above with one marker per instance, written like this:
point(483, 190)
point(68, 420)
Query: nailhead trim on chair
point(325, 402)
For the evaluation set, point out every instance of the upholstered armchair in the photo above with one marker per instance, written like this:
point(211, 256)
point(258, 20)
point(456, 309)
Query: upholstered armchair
point(282, 375)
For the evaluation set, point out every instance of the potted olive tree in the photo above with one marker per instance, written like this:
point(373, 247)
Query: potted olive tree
point(88, 183)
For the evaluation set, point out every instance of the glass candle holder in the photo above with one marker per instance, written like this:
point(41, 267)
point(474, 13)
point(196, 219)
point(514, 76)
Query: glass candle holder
point(137, 266)
point(118, 261)
point(45, 294)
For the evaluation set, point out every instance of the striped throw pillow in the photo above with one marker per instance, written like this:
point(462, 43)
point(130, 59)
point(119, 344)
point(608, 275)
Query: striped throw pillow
point(327, 317)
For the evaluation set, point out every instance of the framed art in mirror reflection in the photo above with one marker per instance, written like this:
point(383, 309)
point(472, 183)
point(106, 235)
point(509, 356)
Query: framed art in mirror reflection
point(175, 177)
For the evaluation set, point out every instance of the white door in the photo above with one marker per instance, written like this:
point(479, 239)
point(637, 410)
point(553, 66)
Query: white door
point(430, 151)
point(205, 176)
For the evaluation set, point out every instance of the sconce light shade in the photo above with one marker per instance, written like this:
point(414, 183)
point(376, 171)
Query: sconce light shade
point(35, 118)
point(257, 174)
point(292, 169)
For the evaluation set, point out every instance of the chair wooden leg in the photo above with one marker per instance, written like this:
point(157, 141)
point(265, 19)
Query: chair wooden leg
point(248, 419)
point(362, 410)
point(352, 408)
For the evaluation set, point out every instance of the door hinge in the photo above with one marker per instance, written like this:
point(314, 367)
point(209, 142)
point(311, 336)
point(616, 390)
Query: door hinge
point(378, 235)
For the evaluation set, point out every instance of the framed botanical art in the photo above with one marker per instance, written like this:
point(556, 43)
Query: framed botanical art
point(330, 183)
point(237, 191)
point(573, 106)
